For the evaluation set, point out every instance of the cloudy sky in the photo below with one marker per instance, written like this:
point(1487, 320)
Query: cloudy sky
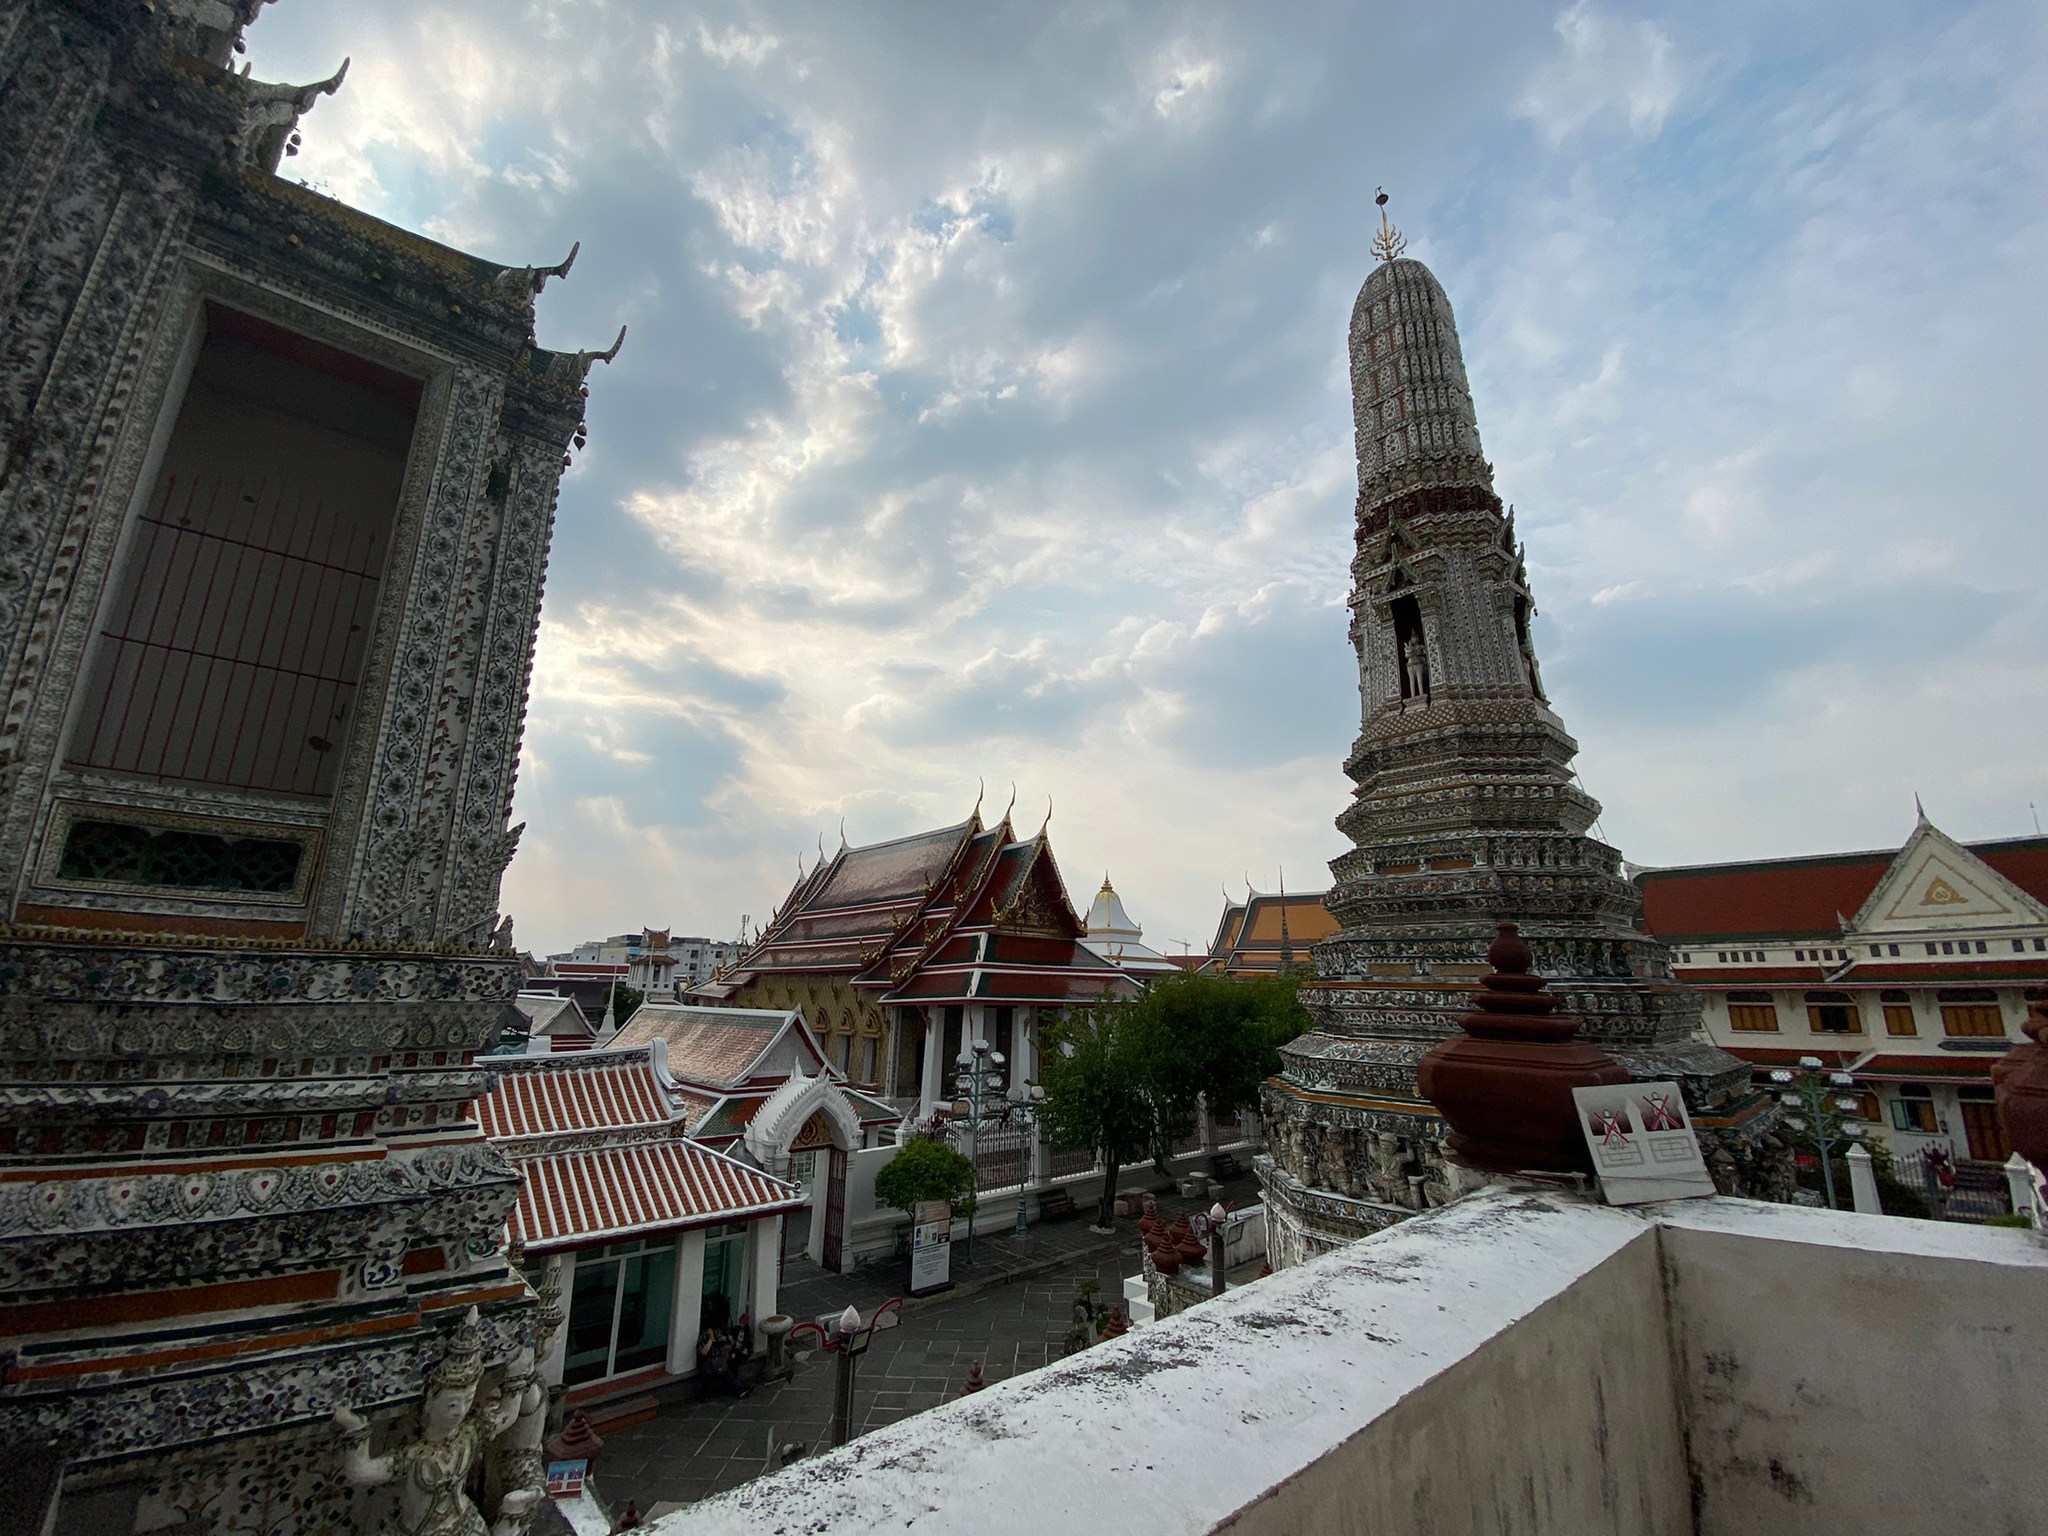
point(983, 411)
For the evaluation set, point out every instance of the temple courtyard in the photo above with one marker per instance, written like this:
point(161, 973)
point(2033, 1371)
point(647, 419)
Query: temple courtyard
point(1009, 1312)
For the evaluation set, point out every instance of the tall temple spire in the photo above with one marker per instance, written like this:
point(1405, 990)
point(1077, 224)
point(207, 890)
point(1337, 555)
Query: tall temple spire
point(1286, 938)
point(1466, 815)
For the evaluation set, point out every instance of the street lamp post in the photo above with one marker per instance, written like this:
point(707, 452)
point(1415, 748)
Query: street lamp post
point(1024, 1100)
point(978, 1079)
point(1818, 1100)
point(853, 1343)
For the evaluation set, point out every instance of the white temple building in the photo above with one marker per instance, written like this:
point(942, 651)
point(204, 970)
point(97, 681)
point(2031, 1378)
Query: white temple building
point(1113, 936)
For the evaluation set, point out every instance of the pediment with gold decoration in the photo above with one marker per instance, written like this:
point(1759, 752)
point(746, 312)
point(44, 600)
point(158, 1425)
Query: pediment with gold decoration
point(1936, 883)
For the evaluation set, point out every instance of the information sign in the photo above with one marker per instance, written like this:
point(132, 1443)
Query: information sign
point(931, 1247)
point(1644, 1146)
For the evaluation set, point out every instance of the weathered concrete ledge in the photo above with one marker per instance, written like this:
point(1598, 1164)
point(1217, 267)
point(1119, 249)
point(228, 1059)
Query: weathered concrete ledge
point(1517, 1361)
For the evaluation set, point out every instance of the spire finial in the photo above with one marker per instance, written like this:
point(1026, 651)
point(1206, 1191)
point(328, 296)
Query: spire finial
point(1919, 810)
point(1389, 243)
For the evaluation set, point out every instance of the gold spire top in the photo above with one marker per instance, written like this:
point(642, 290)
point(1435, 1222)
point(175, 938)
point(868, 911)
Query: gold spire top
point(1389, 242)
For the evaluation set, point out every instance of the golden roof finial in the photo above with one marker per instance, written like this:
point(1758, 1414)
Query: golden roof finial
point(1389, 243)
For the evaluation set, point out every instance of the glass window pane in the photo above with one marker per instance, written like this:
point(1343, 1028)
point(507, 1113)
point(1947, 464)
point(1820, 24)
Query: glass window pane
point(590, 1322)
point(724, 1281)
point(645, 1308)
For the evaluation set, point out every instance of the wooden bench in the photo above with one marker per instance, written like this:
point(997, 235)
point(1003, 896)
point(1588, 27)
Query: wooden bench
point(1054, 1205)
point(1224, 1167)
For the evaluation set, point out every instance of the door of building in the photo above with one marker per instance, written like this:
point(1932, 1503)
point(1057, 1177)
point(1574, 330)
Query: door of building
point(835, 1210)
point(1986, 1136)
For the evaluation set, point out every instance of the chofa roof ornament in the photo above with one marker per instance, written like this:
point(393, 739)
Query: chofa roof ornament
point(1388, 243)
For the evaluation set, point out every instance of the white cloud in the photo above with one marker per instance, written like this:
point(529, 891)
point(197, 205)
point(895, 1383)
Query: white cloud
point(1606, 65)
point(984, 413)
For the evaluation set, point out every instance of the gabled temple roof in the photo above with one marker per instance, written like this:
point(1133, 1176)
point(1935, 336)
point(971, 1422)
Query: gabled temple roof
point(721, 1048)
point(548, 1014)
point(963, 913)
point(1253, 934)
point(574, 1199)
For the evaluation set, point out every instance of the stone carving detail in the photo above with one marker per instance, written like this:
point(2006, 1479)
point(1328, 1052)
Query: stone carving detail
point(427, 1473)
point(183, 1103)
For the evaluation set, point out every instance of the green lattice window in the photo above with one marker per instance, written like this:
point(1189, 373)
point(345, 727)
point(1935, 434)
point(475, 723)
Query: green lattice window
point(197, 861)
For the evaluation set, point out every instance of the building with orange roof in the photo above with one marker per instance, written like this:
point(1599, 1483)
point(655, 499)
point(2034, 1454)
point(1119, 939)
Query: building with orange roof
point(1910, 969)
point(1269, 932)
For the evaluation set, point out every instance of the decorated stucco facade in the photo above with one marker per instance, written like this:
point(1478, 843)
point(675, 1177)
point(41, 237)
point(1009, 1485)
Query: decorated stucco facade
point(1466, 814)
point(241, 1182)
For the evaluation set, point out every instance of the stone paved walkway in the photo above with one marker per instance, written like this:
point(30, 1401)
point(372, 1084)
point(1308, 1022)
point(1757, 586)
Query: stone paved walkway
point(1010, 1311)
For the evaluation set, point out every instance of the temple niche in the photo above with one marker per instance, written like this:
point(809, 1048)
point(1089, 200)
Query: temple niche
point(277, 484)
point(1466, 814)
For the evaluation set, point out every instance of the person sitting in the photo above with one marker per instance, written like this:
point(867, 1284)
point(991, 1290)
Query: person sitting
point(715, 1362)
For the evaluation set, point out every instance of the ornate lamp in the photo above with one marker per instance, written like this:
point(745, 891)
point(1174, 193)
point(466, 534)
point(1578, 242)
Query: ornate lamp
point(1504, 1083)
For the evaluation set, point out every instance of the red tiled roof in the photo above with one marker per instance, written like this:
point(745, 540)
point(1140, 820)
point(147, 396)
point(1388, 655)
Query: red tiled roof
point(1755, 976)
point(1954, 971)
point(1770, 1056)
point(1923, 1068)
point(599, 1091)
point(571, 1199)
point(1790, 897)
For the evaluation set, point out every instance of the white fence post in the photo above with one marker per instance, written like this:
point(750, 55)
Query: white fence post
point(2018, 1179)
point(1863, 1182)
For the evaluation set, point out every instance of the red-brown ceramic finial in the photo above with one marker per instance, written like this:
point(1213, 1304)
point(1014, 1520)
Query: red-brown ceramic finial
point(1504, 1082)
point(2020, 1081)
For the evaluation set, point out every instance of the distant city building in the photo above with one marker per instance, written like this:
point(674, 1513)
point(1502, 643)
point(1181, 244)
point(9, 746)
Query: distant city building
point(1267, 933)
point(1910, 970)
point(1115, 937)
point(651, 961)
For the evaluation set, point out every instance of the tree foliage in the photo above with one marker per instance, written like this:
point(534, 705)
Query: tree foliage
point(926, 1170)
point(1125, 1079)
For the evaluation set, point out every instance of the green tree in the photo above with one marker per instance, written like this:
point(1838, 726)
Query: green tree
point(1096, 1069)
point(1215, 1039)
point(926, 1170)
point(1125, 1079)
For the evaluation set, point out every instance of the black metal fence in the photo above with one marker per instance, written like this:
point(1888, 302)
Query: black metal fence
point(1965, 1190)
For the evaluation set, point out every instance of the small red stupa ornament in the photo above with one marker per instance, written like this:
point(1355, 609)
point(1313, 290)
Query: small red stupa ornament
point(2020, 1080)
point(1505, 1081)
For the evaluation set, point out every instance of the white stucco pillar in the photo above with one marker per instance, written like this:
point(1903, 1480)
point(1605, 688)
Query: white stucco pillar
point(2019, 1182)
point(763, 1263)
point(934, 1043)
point(686, 1320)
point(1863, 1182)
point(1024, 1035)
